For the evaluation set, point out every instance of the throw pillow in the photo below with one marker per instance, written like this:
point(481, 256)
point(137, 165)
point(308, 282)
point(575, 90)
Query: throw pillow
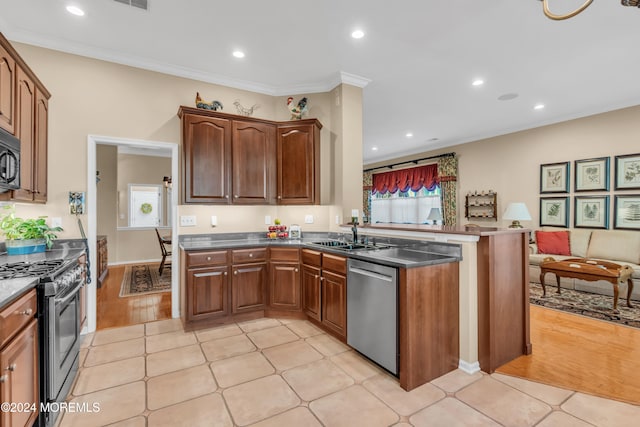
point(553, 242)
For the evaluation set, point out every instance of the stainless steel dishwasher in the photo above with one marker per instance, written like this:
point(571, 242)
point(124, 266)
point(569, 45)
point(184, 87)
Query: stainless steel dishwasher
point(372, 312)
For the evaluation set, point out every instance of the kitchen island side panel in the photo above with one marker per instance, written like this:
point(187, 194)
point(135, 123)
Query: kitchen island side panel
point(429, 323)
point(503, 299)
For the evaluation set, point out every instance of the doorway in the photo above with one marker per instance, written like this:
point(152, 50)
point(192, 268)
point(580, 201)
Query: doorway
point(151, 148)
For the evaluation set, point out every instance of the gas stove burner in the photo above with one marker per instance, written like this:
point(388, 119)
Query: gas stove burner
point(29, 269)
point(330, 243)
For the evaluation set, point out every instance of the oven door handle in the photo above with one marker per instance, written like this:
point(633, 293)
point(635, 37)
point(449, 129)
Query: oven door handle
point(70, 295)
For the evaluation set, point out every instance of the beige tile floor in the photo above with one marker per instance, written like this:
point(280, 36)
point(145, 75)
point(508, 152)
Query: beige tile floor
point(271, 372)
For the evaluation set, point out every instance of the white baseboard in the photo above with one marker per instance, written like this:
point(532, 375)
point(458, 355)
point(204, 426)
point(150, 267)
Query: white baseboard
point(469, 368)
point(140, 261)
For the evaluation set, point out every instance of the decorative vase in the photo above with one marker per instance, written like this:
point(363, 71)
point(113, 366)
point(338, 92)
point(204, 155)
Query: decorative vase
point(25, 247)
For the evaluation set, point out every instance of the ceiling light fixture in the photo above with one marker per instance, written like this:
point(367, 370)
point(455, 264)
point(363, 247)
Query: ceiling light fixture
point(409, 135)
point(75, 10)
point(357, 34)
point(478, 82)
point(538, 107)
point(586, 4)
point(238, 54)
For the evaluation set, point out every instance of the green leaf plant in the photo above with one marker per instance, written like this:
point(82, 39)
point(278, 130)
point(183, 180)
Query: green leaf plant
point(16, 228)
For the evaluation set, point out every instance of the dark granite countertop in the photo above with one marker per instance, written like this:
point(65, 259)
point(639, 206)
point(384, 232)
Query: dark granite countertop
point(401, 253)
point(11, 289)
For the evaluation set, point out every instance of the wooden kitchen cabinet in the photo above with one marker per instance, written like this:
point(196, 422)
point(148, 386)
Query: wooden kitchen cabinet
point(334, 294)
point(249, 281)
point(230, 159)
point(207, 285)
point(298, 155)
point(311, 291)
point(206, 144)
point(19, 360)
point(7, 89)
point(284, 280)
point(253, 162)
point(24, 110)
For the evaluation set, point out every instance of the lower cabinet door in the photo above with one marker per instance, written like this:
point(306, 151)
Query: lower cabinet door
point(334, 302)
point(19, 378)
point(311, 291)
point(248, 287)
point(207, 293)
point(284, 290)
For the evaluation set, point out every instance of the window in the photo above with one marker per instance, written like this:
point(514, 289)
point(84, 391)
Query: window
point(145, 205)
point(410, 207)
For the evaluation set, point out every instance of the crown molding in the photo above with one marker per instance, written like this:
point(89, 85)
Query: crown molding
point(88, 51)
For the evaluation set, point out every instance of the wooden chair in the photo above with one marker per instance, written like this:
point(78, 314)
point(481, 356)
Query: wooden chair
point(165, 253)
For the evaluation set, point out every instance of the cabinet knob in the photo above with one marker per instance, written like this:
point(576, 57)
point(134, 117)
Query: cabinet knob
point(208, 258)
point(11, 367)
point(279, 197)
point(225, 273)
point(226, 196)
point(250, 255)
point(235, 196)
point(27, 312)
point(3, 379)
point(316, 276)
point(295, 269)
point(235, 272)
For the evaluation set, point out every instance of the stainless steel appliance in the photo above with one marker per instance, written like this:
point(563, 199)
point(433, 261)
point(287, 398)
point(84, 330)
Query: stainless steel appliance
point(58, 324)
point(9, 162)
point(372, 312)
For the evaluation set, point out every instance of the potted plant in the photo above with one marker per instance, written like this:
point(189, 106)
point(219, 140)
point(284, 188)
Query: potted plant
point(26, 236)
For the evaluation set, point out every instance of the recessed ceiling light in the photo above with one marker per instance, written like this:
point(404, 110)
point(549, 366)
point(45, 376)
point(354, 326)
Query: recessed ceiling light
point(238, 54)
point(538, 107)
point(357, 34)
point(507, 96)
point(75, 10)
point(478, 82)
point(374, 148)
point(409, 135)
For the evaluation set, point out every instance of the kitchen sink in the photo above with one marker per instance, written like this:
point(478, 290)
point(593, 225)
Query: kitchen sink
point(347, 246)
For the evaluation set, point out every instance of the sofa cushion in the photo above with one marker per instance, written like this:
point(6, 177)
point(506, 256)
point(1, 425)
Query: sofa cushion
point(615, 245)
point(578, 240)
point(553, 242)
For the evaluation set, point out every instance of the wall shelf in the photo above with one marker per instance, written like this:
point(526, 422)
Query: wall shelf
point(482, 205)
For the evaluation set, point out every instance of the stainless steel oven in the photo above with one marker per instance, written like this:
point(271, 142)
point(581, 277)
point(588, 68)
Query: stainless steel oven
point(9, 162)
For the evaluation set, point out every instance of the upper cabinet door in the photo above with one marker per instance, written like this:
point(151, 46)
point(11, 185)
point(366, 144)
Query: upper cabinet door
point(7, 91)
point(253, 158)
point(41, 143)
point(25, 128)
point(206, 144)
point(298, 153)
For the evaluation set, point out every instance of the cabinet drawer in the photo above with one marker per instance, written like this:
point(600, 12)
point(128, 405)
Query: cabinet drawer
point(16, 316)
point(334, 263)
point(284, 254)
point(242, 256)
point(311, 257)
point(196, 259)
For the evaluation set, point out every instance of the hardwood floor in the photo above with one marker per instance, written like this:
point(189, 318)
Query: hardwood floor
point(582, 354)
point(114, 311)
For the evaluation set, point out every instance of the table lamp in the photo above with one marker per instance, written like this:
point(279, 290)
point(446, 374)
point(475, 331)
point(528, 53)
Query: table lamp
point(435, 215)
point(517, 212)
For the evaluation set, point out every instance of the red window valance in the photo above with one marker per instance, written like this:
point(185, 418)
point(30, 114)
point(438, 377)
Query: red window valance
point(413, 178)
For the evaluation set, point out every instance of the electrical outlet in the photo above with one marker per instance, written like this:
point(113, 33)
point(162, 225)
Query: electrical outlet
point(337, 219)
point(187, 220)
point(308, 219)
point(214, 220)
point(267, 220)
point(56, 221)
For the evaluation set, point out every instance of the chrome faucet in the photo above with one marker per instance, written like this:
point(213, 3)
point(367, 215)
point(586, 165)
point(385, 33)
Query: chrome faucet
point(354, 230)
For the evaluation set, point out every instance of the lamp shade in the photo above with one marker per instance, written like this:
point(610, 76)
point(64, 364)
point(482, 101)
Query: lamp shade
point(435, 215)
point(517, 212)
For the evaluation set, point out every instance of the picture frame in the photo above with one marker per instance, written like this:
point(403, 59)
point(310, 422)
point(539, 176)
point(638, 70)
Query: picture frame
point(627, 212)
point(592, 174)
point(627, 172)
point(591, 212)
point(554, 211)
point(554, 178)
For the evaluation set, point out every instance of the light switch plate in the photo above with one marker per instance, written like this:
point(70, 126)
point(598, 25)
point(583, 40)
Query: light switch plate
point(308, 219)
point(187, 220)
point(267, 219)
point(214, 220)
point(337, 219)
point(56, 221)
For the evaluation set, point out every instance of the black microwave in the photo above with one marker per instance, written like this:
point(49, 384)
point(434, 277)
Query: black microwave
point(9, 162)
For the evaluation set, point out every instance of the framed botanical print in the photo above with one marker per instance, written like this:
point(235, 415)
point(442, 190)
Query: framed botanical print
point(591, 212)
point(554, 211)
point(554, 178)
point(627, 212)
point(592, 174)
point(628, 172)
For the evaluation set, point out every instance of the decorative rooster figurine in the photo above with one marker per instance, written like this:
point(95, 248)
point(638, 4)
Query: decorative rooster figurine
point(245, 111)
point(213, 105)
point(298, 110)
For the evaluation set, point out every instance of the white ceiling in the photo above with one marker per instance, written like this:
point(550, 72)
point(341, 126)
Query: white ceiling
point(420, 56)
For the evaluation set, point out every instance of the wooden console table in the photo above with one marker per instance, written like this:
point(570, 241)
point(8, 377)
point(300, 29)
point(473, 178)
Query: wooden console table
point(589, 270)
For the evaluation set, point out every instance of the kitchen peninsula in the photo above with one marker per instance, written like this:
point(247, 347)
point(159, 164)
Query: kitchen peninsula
point(494, 288)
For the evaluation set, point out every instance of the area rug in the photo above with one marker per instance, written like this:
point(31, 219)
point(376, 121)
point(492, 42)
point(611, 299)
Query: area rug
point(587, 304)
point(144, 279)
